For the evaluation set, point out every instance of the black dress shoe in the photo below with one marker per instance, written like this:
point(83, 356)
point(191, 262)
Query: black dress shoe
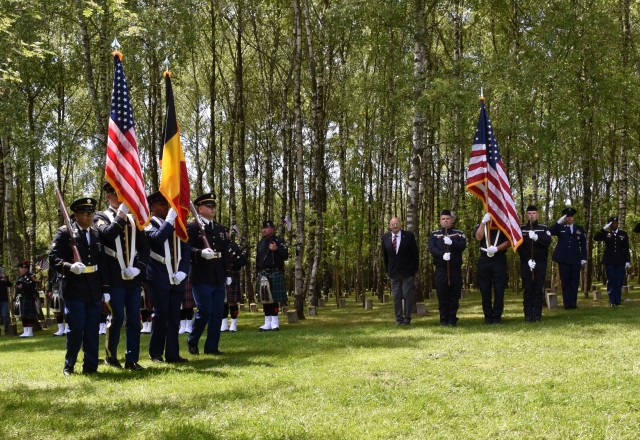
point(112, 362)
point(214, 352)
point(178, 360)
point(67, 370)
point(133, 366)
point(193, 349)
point(156, 358)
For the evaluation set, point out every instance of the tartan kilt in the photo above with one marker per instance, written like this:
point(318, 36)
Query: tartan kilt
point(145, 298)
point(28, 307)
point(187, 299)
point(105, 310)
point(234, 295)
point(278, 288)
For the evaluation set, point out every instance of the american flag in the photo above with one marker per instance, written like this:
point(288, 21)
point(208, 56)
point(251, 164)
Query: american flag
point(123, 170)
point(487, 180)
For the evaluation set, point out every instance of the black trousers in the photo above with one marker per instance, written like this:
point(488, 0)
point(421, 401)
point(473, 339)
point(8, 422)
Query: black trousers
point(448, 287)
point(533, 296)
point(492, 281)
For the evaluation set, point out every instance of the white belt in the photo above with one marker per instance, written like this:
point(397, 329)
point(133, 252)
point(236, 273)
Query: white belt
point(110, 252)
point(217, 255)
point(159, 258)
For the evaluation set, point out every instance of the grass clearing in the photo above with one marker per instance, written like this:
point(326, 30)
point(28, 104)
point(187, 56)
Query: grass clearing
point(350, 374)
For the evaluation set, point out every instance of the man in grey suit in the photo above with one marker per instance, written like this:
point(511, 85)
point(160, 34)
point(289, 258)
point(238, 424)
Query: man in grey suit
point(401, 261)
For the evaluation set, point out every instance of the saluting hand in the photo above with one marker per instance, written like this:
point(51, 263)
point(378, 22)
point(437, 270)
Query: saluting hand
point(562, 219)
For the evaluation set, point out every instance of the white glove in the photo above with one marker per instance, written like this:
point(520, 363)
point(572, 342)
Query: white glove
point(207, 253)
point(492, 250)
point(562, 219)
point(179, 277)
point(627, 265)
point(583, 262)
point(77, 268)
point(129, 273)
point(533, 236)
point(446, 256)
point(228, 281)
point(532, 264)
point(123, 208)
point(486, 219)
point(447, 240)
point(106, 297)
point(171, 216)
point(607, 226)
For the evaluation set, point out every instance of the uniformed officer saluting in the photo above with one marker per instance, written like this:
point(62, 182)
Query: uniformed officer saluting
point(84, 284)
point(570, 254)
point(616, 259)
point(209, 274)
point(127, 251)
point(533, 252)
point(446, 246)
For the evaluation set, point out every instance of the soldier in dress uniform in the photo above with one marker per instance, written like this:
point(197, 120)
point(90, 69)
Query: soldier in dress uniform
point(271, 254)
point(492, 269)
point(127, 251)
point(238, 259)
point(166, 274)
point(26, 288)
point(533, 264)
point(446, 246)
point(616, 258)
point(570, 254)
point(210, 272)
point(84, 284)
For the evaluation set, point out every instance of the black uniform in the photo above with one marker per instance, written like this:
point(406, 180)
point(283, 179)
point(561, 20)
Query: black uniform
point(4, 300)
point(533, 280)
point(448, 276)
point(82, 293)
point(492, 274)
point(616, 255)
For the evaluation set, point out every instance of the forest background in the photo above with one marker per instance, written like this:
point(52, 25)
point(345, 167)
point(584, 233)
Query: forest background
point(338, 114)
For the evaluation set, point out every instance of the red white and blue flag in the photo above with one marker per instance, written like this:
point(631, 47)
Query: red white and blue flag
point(123, 170)
point(487, 180)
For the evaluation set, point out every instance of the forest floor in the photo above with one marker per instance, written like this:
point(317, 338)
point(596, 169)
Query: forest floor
point(350, 373)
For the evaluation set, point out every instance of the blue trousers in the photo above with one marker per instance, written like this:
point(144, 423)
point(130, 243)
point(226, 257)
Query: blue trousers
point(4, 312)
point(570, 277)
point(84, 322)
point(615, 280)
point(210, 301)
point(165, 321)
point(123, 299)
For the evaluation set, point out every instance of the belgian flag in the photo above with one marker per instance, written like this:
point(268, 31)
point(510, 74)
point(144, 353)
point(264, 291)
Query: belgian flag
point(174, 181)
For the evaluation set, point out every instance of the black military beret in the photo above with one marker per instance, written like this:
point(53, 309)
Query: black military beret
point(85, 204)
point(23, 264)
point(445, 212)
point(613, 218)
point(532, 208)
point(268, 224)
point(208, 199)
point(108, 188)
point(155, 198)
point(569, 211)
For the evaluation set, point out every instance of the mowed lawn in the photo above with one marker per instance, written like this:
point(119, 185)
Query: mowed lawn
point(350, 374)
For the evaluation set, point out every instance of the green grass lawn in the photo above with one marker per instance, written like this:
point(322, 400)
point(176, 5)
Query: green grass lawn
point(350, 374)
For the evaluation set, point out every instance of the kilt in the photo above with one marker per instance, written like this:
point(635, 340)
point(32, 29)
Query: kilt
point(278, 288)
point(28, 307)
point(145, 299)
point(234, 295)
point(187, 298)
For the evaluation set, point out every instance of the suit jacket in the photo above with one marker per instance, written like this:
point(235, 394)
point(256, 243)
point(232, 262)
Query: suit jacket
point(616, 246)
point(158, 232)
point(571, 247)
point(110, 232)
point(87, 287)
point(216, 270)
point(406, 261)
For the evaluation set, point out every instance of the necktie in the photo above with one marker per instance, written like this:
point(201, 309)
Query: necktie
point(394, 243)
point(88, 235)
